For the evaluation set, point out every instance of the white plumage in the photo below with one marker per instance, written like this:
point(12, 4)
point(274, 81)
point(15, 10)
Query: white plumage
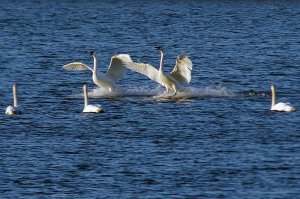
point(179, 75)
point(106, 81)
point(87, 107)
point(12, 110)
point(281, 106)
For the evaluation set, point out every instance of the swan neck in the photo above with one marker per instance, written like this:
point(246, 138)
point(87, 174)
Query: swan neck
point(273, 96)
point(85, 94)
point(15, 95)
point(95, 65)
point(161, 61)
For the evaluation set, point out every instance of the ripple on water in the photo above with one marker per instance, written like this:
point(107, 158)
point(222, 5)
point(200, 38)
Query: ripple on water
point(216, 139)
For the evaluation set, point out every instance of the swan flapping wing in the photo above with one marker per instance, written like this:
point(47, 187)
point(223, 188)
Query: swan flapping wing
point(76, 66)
point(182, 69)
point(145, 69)
point(116, 68)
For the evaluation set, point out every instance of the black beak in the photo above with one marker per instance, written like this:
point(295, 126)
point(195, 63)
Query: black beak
point(157, 47)
point(92, 52)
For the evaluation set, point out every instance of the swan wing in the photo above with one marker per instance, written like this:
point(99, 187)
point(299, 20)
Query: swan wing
point(145, 69)
point(182, 69)
point(76, 66)
point(116, 68)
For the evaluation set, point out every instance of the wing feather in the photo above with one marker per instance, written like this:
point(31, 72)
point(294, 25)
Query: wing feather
point(76, 66)
point(145, 69)
point(182, 69)
point(116, 69)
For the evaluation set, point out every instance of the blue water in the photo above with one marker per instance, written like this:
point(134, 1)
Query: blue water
point(218, 141)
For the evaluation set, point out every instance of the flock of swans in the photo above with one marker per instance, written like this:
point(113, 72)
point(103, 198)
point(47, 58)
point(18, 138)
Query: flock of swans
point(107, 81)
point(181, 74)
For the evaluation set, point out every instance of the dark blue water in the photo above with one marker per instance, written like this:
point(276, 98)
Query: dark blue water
point(219, 141)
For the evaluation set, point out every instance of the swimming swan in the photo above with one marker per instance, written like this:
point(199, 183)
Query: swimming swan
point(90, 108)
point(12, 110)
point(105, 81)
point(180, 74)
point(281, 106)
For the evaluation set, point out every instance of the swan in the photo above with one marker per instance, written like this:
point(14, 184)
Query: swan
point(12, 110)
point(180, 74)
point(90, 108)
point(106, 81)
point(281, 106)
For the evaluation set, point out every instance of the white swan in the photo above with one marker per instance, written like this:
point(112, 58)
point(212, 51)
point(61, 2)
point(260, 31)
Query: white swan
point(90, 108)
point(281, 106)
point(106, 81)
point(180, 74)
point(12, 110)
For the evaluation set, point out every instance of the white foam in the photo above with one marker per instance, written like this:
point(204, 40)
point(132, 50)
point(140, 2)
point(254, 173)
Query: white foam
point(159, 92)
point(192, 92)
point(212, 91)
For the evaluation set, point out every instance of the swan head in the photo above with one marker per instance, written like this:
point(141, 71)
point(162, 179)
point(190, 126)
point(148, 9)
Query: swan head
point(160, 48)
point(92, 52)
point(272, 87)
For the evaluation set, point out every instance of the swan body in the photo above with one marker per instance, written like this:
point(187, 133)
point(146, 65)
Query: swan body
point(179, 75)
point(88, 108)
point(92, 109)
point(281, 106)
point(12, 110)
point(106, 81)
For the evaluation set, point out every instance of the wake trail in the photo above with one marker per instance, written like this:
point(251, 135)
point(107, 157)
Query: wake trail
point(159, 92)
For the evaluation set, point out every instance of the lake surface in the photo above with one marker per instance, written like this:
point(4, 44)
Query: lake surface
point(219, 140)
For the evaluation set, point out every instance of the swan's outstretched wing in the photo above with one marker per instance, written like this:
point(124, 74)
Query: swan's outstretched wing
point(182, 69)
point(145, 69)
point(76, 66)
point(116, 68)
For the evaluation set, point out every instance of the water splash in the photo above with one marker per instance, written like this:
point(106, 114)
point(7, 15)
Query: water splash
point(141, 91)
point(209, 92)
point(159, 92)
point(253, 93)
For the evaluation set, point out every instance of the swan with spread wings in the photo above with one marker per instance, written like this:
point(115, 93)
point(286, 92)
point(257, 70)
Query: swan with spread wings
point(179, 75)
point(106, 81)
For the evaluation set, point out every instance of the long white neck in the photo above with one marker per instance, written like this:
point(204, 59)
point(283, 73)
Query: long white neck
point(15, 95)
point(161, 62)
point(273, 95)
point(95, 65)
point(85, 94)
